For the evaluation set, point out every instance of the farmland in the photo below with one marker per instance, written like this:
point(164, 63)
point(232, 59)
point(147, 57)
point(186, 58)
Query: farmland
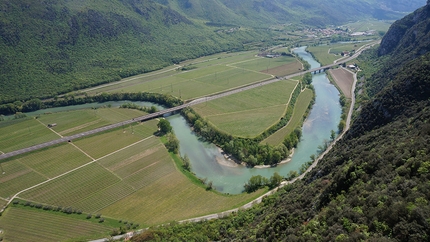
point(127, 173)
point(344, 80)
point(18, 134)
point(299, 111)
point(130, 165)
point(21, 224)
point(327, 54)
point(207, 75)
point(248, 113)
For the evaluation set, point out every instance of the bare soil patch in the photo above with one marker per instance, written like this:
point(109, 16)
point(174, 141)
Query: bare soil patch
point(344, 80)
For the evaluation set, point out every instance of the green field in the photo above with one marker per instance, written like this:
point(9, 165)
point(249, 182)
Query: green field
point(327, 54)
point(361, 26)
point(208, 75)
point(102, 144)
point(77, 121)
point(248, 113)
point(22, 133)
point(299, 111)
point(21, 224)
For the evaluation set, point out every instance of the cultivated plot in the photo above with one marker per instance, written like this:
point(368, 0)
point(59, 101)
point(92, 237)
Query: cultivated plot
point(248, 113)
point(19, 134)
point(21, 224)
point(102, 144)
point(300, 108)
point(173, 198)
point(344, 80)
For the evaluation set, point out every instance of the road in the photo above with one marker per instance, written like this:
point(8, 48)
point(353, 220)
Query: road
point(177, 108)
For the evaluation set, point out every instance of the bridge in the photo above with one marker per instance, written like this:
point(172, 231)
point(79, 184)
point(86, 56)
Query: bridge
point(177, 108)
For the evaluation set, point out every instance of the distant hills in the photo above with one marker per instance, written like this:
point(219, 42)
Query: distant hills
point(52, 47)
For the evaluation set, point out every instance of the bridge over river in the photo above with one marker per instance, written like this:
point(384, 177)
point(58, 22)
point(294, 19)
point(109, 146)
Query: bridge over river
point(177, 108)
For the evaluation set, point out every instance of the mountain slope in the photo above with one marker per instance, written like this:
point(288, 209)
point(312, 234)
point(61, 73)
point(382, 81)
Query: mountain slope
point(374, 185)
point(51, 47)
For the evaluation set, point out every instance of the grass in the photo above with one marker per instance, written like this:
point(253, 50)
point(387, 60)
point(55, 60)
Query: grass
point(18, 134)
point(21, 224)
point(299, 111)
point(250, 112)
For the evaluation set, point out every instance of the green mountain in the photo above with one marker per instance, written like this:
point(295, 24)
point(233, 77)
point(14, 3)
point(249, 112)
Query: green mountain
point(52, 47)
point(374, 185)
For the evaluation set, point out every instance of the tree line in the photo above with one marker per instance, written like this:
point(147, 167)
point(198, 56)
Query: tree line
point(37, 104)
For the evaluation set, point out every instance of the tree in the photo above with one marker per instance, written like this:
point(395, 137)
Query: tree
point(333, 135)
point(187, 164)
point(164, 126)
point(341, 125)
point(172, 143)
point(275, 180)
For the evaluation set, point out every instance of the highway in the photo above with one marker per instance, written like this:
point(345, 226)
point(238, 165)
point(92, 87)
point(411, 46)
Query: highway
point(177, 108)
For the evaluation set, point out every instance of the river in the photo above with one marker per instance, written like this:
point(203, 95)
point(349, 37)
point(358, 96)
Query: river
point(207, 161)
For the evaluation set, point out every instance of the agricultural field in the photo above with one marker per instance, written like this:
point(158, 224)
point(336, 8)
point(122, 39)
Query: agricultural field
point(247, 114)
point(77, 121)
point(21, 224)
point(327, 54)
point(343, 79)
point(173, 198)
point(103, 144)
point(299, 111)
point(22, 133)
point(130, 169)
point(208, 75)
point(361, 26)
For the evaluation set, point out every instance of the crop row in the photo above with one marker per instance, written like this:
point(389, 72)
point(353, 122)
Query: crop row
point(45, 226)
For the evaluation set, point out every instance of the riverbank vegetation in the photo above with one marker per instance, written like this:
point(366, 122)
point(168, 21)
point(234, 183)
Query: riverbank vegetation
point(36, 104)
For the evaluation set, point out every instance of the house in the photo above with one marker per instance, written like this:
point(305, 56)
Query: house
point(52, 125)
point(352, 67)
